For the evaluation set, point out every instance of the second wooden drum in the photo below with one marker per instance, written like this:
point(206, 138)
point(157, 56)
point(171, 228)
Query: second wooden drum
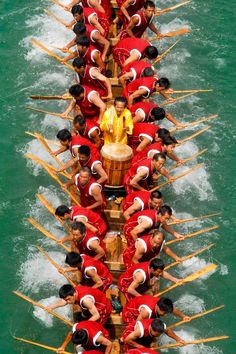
point(116, 160)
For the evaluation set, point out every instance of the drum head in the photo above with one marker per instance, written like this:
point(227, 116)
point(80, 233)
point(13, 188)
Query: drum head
point(117, 152)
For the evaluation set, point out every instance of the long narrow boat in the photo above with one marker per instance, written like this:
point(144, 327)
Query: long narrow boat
point(115, 241)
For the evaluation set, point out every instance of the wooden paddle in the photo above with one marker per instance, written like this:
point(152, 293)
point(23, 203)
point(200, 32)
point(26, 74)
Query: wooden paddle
point(35, 303)
point(52, 349)
point(58, 19)
point(48, 206)
point(39, 161)
point(166, 102)
point(49, 141)
point(178, 32)
point(177, 177)
point(49, 52)
point(40, 97)
point(168, 9)
point(54, 176)
point(196, 122)
point(192, 219)
point(185, 160)
point(164, 53)
point(193, 234)
point(51, 113)
point(199, 132)
point(174, 325)
point(189, 256)
point(189, 278)
point(56, 266)
point(46, 233)
point(197, 341)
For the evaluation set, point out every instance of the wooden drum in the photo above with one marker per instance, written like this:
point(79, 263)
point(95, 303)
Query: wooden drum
point(116, 160)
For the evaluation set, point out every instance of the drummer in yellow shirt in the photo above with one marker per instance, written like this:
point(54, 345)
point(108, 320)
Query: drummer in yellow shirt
point(117, 122)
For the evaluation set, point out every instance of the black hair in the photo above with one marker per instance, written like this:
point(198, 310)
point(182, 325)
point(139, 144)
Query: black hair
point(165, 304)
point(159, 155)
point(158, 113)
point(66, 290)
point(61, 210)
point(162, 132)
point(77, 9)
point(169, 140)
point(164, 82)
point(78, 63)
point(158, 326)
point(165, 209)
point(151, 52)
point(64, 135)
point(78, 225)
point(148, 72)
point(73, 258)
point(156, 194)
point(84, 150)
point(83, 41)
point(157, 263)
point(76, 90)
point(149, 4)
point(120, 99)
point(79, 119)
point(85, 169)
point(79, 28)
point(80, 337)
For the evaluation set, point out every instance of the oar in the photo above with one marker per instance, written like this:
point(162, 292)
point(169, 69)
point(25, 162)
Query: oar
point(51, 113)
point(39, 161)
point(48, 206)
point(58, 19)
point(179, 32)
point(49, 141)
point(197, 341)
point(199, 132)
point(185, 160)
point(177, 177)
point(195, 218)
point(46, 233)
point(52, 349)
point(55, 265)
point(189, 256)
point(174, 325)
point(202, 120)
point(47, 147)
point(168, 9)
point(49, 52)
point(54, 176)
point(183, 91)
point(189, 278)
point(211, 228)
point(40, 97)
point(164, 53)
point(166, 102)
point(35, 303)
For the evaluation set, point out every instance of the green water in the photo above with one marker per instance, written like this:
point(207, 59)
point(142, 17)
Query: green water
point(204, 59)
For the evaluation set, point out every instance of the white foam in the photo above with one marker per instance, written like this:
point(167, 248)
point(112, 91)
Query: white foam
point(193, 265)
point(190, 304)
point(47, 319)
point(38, 274)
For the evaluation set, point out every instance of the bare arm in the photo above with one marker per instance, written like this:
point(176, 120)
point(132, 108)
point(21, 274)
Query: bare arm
point(69, 108)
point(172, 334)
point(144, 225)
point(98, 60)
point(66, 342)
point(100, 171)
point(154, 29)
point(123, 8)
point(105, 342)
point(94, 22)
point(171, 254)
point(132, 337)
point(133, 22)
point(98, 282)
point(88, 303)
point(105, 80)
point(143, 144)
point(96, 138)
point(173, 120)
point(132, 209)
point(125, 77)
point(95, 246)
point(133, 57)
point(95, 5)
point(180, 314)
point(138, 279)
point(95, 99)
point(103, 42)
point(169, 229)
point(60, 303)
point(88, 225)
point(168, 276)
point(136, 94)
point(96, 192)
point(138, 253)
point(138, 177)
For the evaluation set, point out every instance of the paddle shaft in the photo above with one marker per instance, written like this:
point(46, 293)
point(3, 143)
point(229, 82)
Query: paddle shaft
point(193, 234)
point(53, 349)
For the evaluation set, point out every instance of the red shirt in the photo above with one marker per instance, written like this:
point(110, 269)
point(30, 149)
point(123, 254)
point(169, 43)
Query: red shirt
point(88, 109)
point(94, 330)
point(104, 3)
point(146, 338)
point(132, 309)
point(99, 299)
point(141, 196)
point(144, 108)
point(141, 26)
point(101, 17)
point(124, 48)
point(132, 9)
point(78, 140)
point(137, 68)
point(134, 169)
point(152, 148)
point(147, 83)
point(90, 217)
point(100, 268)
point(84, 245)
point(89, 55)
point(142, 130)
point(86, 194)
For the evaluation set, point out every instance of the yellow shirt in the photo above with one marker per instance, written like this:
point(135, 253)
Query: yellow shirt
point(113, 126)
